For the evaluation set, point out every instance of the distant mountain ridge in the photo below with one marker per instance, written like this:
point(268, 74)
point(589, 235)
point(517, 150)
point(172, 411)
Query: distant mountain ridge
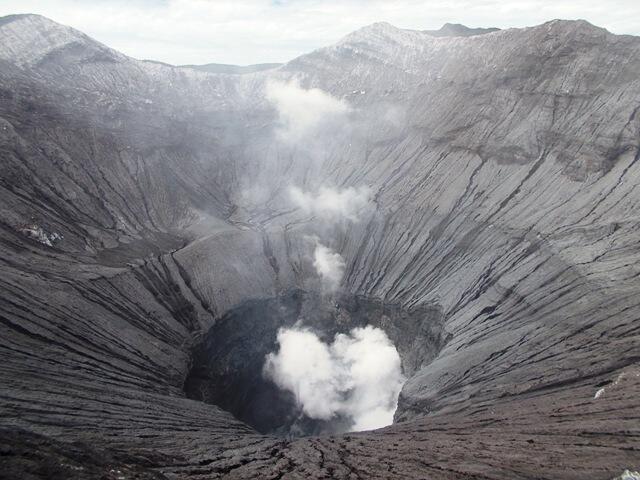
point(459, 30)
point(233, 69)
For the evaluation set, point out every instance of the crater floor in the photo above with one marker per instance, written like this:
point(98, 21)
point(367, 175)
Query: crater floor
point(228, 366)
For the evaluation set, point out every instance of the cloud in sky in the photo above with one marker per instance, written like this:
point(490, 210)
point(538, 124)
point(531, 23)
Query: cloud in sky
point(256, 31)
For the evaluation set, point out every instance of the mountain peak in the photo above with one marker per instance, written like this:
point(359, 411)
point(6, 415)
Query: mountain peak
point(31, 19)
point(378, 28)
point(573, 25)
point(380, 33)
point(27, 39)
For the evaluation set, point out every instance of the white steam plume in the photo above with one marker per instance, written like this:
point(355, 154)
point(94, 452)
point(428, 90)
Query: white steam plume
point(333, 204)
point(329, 265)
point(358, 375)
point(301, 111)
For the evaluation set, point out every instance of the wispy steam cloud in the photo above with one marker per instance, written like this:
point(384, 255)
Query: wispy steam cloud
point(329, 265)
point(357, 376)
point(303, 111)
point(333, 204)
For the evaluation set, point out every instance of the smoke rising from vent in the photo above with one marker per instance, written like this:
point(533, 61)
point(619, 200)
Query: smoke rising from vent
point(333, 204)
point(329, 265)
point(302, 111)
point(357, 376)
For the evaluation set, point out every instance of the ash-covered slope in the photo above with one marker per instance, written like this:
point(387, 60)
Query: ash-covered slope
point(141, 202)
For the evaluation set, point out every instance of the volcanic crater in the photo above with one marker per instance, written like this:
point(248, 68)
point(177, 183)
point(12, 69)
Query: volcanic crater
point(472, 193)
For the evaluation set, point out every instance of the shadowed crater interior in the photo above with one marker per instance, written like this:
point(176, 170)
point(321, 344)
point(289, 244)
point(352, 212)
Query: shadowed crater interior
point(228, 364)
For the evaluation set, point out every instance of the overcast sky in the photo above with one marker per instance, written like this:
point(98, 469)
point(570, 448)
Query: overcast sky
point(256, 31)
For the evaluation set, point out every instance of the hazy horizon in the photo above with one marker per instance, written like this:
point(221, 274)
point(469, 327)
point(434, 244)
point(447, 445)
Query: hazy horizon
point(200, 31)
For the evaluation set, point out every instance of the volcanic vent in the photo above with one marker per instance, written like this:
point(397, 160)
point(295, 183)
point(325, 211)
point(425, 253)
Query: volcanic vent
point(228, 366)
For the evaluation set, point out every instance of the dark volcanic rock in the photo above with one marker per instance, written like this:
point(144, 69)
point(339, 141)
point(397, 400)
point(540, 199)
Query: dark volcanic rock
point(141, 203)
point(26, 455)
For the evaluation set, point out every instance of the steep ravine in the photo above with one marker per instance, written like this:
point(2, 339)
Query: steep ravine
point(504, 175)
